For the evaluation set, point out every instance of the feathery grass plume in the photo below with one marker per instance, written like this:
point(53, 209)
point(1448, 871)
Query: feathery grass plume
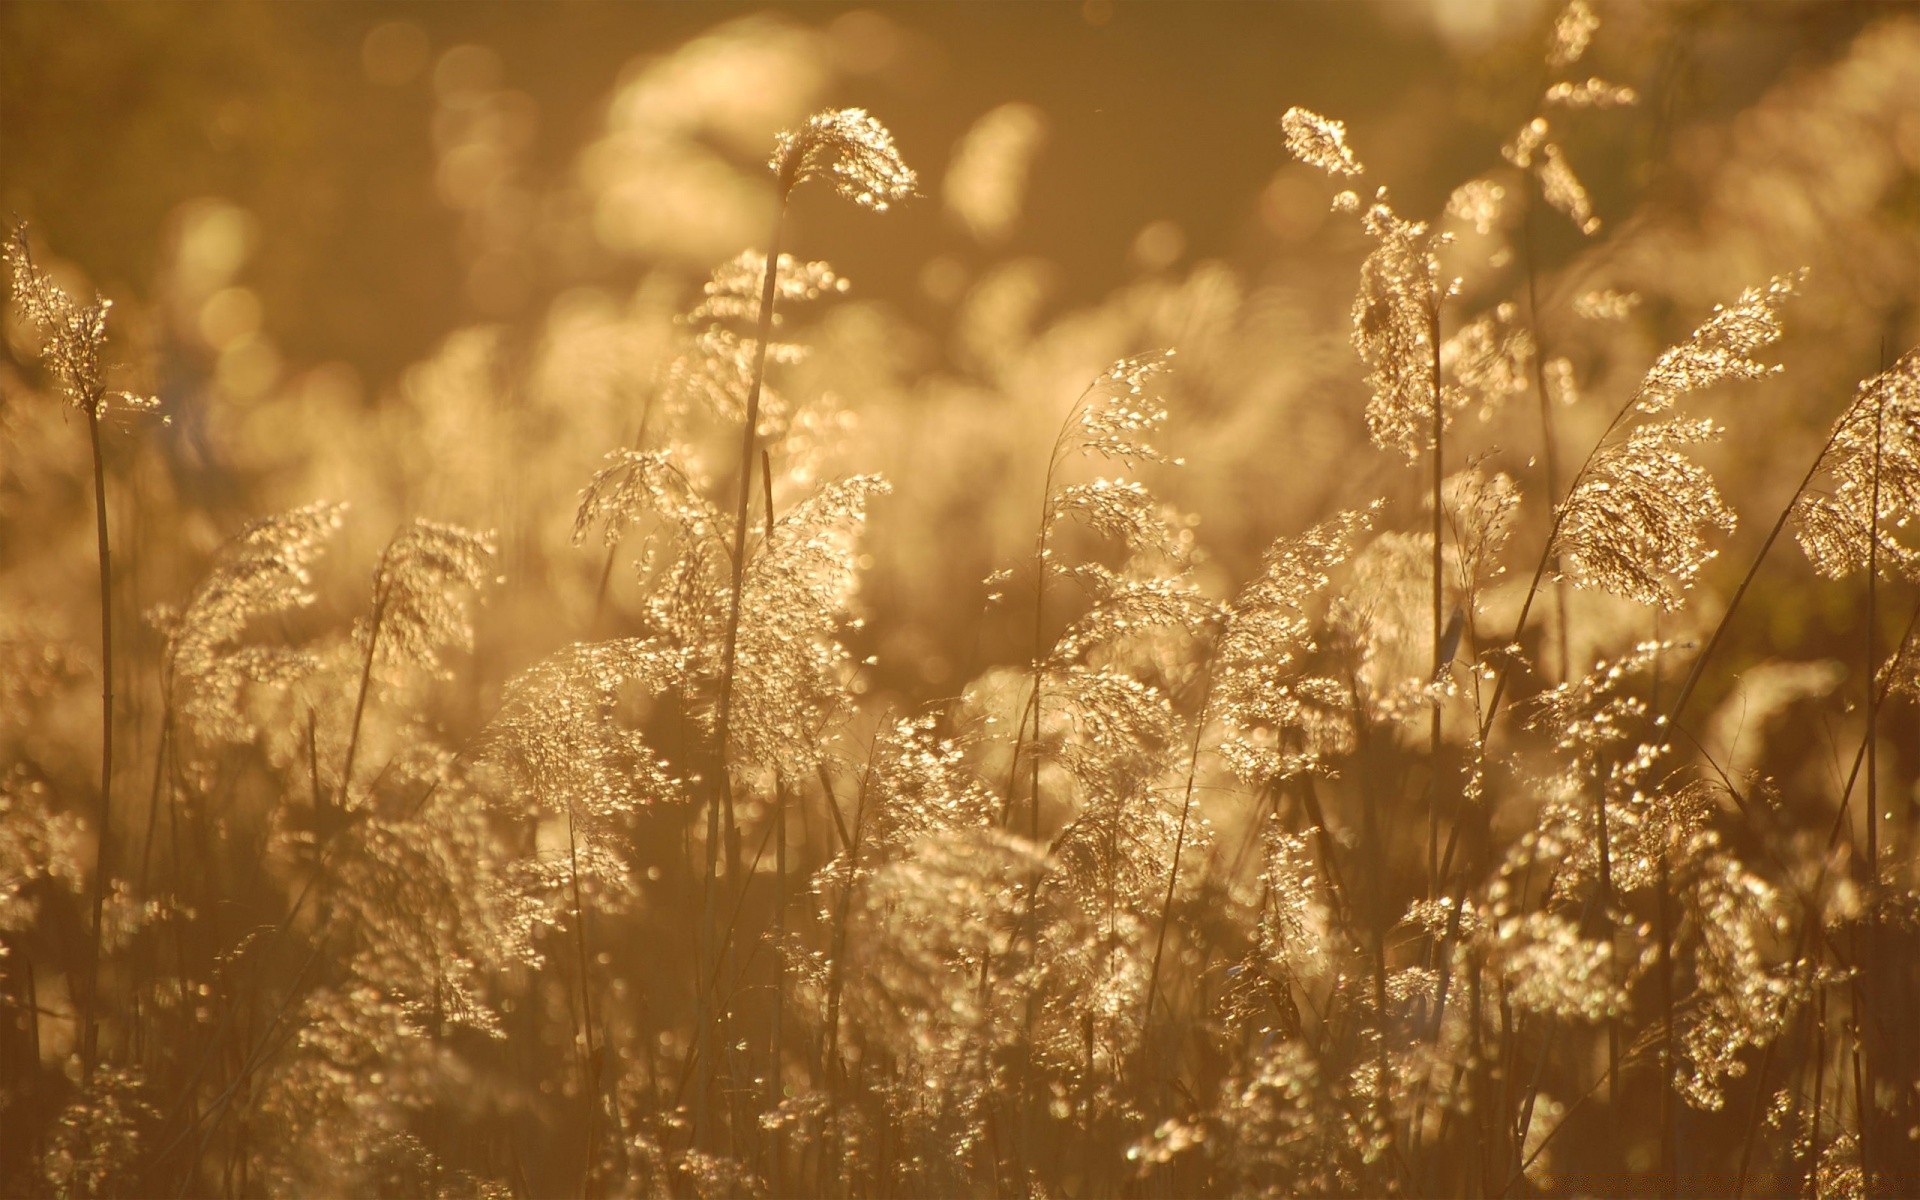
point(857, 153)
point(40, 851)
point(562, 749)
point(1319, 142)
point(1114, 418)
point(1297, 942)
point(916, 788)
point(566, 748)
point(1636, 522)
point(636, 485)
point(1289, 710)
point(712, 373)
point(918, 785)
point(1597, 714)
point(74, 349)
point(1550, 968)
point(799, 589)
point(1152, 592)
point(559, 739)
point(1380, 620)
point(422, 593)
point(1129, 608)
point(1636, 519)
point(1490, 358)
point(1874, 451)
point(98, 1141)
point(1573, 32)
point(794, 674)
point(1745, 992)
point(730, 299)
point(1393, 330)
point(918, 933)
point(1286, 1124)
point(1534, 148)
point(851, 149)
point(263, 573)
point(321, 1131)
point(1481, 507)
point(1595, 723)
point(1108, 730)
point(1721, 349)
point(434, 914)
point(1117, 417)
point(74, 336)
point(421, 610)
point(428, 924)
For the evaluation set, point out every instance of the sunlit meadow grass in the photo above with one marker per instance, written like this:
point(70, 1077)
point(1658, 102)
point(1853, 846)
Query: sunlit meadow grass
point(1454, 849)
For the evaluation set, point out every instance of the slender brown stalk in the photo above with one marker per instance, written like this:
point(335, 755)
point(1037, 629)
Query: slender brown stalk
point(366, 682)
point(776, 1054)
point(1669, 1139)
point(1873, 664)
point(1603, 840)
point(1173, 872)
point(1746, 582)
point(1549, 445)
point(1819, 1090)
point(722, 798)
point(1868, 927)
point(1439, 608)
point(1546, 559)
point(589, 1064)
point(1030, 717)
point(1034, 701)
point(103, 847)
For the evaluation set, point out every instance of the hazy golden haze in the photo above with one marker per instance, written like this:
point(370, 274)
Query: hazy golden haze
point(1430, 710)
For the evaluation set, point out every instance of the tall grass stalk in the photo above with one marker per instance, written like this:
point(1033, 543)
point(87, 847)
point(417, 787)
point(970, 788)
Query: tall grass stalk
point(103, 847)
point(1549, 442)
point(720, 800)
point(1434, 733)
point(1173, 869)
point(1671, 717)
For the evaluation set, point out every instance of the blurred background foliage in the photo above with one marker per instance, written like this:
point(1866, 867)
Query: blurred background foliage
point(426, 257)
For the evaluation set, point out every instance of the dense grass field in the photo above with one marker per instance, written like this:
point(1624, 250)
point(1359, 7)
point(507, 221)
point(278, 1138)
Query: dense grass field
point(1413, 695)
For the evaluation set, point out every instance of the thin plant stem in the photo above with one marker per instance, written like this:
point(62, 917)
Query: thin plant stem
point(1439, 606)
point(1546, 559)
point(722, 797)
point(1173, 872)
point(1862, 1063)
point(103, 847)
point(1030, 717)
point(589, 1067)
point(1549, 445)
point(602, 589)
point(1692, 681)
point(366, 681)
point(1873, 664)
point(1669, 1140)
